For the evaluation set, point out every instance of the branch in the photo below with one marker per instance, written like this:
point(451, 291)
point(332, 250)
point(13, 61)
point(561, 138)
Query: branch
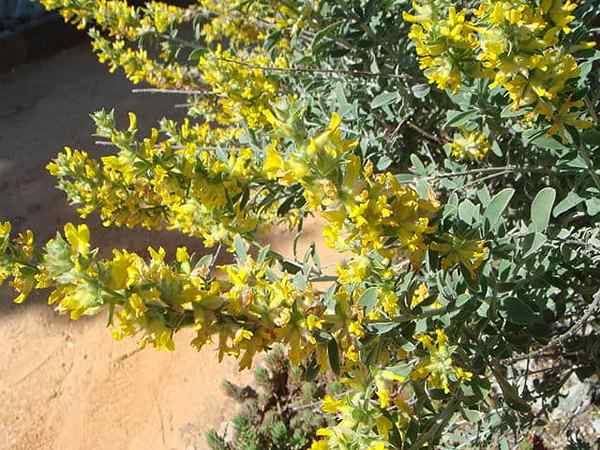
point(170, 91)
point(358, 73)
point(215, 257)
point(490, 169)
point(424, 133)
point(589, 311)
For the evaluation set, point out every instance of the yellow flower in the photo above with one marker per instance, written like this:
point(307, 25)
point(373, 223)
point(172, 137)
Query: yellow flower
point(319, 445)
point(419, 296)
point(78, 237)
point(132, 122)
point(462, 374)
point(5, 228)
point(384, 425)
point(469, 145)
point(356, 329)
point(273, 164)
point(331, 405)
point(377, 446)
point(242, 335)
point(313, 322)
point(470, 253)
point(182, 255)
point(382, 393)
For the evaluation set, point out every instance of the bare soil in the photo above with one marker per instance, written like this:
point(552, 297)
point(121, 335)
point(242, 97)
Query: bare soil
point(67, 385)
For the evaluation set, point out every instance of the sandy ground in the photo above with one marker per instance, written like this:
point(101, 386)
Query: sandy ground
point(67, 385)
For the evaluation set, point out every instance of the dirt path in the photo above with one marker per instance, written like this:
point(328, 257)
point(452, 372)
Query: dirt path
point(67, 385)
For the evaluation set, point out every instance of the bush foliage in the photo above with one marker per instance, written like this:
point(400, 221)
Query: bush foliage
point(284, 414)
point(450, 150)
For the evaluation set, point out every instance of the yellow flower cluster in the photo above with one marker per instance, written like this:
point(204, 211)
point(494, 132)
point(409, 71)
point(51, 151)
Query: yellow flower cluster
point(240, 84)
point(446, 42)
point(516, 44)
point(250, 306)
point(244, 24)
point(456, 250)
point(247, 310)
point(438, 367)
point(125, 24)
point(180, 182)
point(368, 425)
point(363, 211)
point(118, 17)
point(243, 89)
point(137, 65)
point(469, 145)
point(16, 260)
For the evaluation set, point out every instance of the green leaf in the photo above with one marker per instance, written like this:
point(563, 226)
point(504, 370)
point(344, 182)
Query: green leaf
point(329, 300)
point(241, 248)
point(532, 243)
point(468, 211)
point(518, 312)
point(420, 90)
point(323, 33)
point(423, 188)
point(299, 281)
point(511, 395)
point(593, 206)
point(334, 355)
point(383, 99)
point(472, 415)
point(196, 54)
point(459, 118)
point(402, 370)
point(497, 206)
point(541, 208)
point(405, 177)
point(451, 207)
point(57, 260)
point(382, 327)
point(383, 162)
point(418, 165)
point(570, 201)
point(263, 253)
point(548, 143)
point(508, 112)
point(368, 299)
point(497, 149)
point(591, 137)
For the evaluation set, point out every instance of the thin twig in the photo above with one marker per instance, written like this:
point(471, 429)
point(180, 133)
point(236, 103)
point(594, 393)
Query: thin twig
point(112, 144)
point(591, 309)
point(488, 169)
point(216, 254)
point(357, 73)
point(479, 180)
point(424, 133)
point(170, 91)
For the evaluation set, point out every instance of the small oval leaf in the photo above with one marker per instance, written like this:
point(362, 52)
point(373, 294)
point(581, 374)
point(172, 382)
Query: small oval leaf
point(368, 299)
point(542, 207)
point(497, 206)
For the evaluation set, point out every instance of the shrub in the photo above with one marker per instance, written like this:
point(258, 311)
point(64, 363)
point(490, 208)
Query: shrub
point(284, 414)
point(450, 149)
